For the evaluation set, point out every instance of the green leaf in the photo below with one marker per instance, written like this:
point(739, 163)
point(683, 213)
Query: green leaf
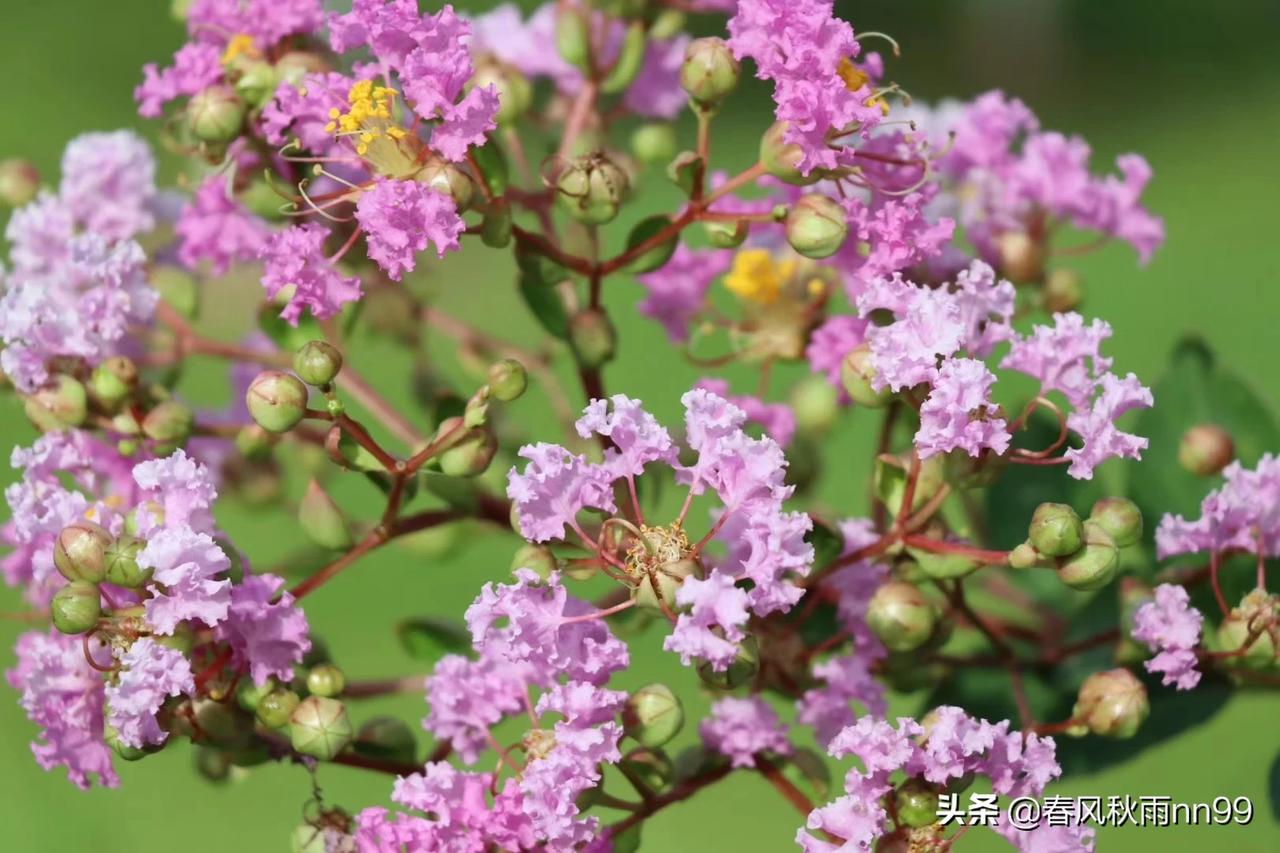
point(429, 638)
point(826, 541)
point(493, 165)
point(544, 301)
point(656, 257)
point(496, 230)
point(357, 458)
point(686, 171)
point(322, 519)
point(630, 58)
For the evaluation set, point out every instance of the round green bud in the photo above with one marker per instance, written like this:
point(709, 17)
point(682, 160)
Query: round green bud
point(62, 404)
point(507, 379)
point(317, 363)
point(76, 607)
point(80, 551)
point(916, 802)
point(254, 443)
point(536, 557)
point(1055, 530)
point(296, 64)
point(387, 737)
point(111, 736)
point(726, 235)
point(1112, 704)
point(746, 663)
point(781, 159)
point(592, 337)
point(654, 144)
point(1205, 449)
point(256, 85)
point(216, 115)
point(1121, 518)
point(592, 188)
point(816, 226)
point(471, 455)
point(901, 616)
point(212, 764)
point(326, 680)
point(659, 588)
point(223, 722)
point(319, 727)
point(1021, 257)
point(1234, 632)
point(19, 182)
point(170, 422)
point(444, 177)
point(710, 71)
point(515, 93)
point(651, 766)
point(858, 378)
point(275, 708)
point(1062, 290)
point(249, 693)
point(112, 382)
point(815, 404)
point(653, 715)
point(277, 401)
point(1024, 556)
point(1093, 566)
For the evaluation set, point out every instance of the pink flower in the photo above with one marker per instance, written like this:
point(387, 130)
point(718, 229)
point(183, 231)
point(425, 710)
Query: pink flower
point(400, 218)
point(740, 729)
point(776, 419)
point(266, 630)
point(1244, 514)
point(467, 697)
point(958, 413)
point(302, 111)
point(150, 673)
point(188, 567)
point(108, 183)
point(636, 437)
point(295, 257)
point(656, 90)
point(182, 487)
point(552, 783)
point(195, 67)
point(213, 227)
point(1096, 426)
point(555, 486)
point(1065, 357)
point(712, 626)
point(1170, 626)
point(677, 290)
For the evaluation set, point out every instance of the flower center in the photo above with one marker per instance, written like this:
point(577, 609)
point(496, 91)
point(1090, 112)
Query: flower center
point(757, 277)
point(855, 78)
point(538, 743)
point(240, 45)
point(664, 545)
point(388, 148)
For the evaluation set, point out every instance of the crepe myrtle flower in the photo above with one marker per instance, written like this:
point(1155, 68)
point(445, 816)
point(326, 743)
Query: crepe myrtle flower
point(1170, 627)
point(1243, 514)
point(742, 728)
point(660, 564)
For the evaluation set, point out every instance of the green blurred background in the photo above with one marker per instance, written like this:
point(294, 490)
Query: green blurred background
point(1193, 86)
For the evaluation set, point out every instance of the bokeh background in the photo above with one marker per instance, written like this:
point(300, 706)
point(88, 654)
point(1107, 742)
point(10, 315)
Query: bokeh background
point(1193, 86)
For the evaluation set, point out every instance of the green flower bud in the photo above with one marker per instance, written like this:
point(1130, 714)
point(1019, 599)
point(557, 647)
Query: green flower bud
point(112, 382)
point(660, 587)
point(1112, 704)
point(1206, 449)
point(1021, 257)
point(901, 616)
point(319, 727)
point(857, 376)
point(277, 401)
point(326, 680)
point(726, 235)
point(124, 752)
point(1062, 291)
point(744, 667)
point(536, 557)
point(256, 85)
point(58, 406)
point(216, 115)
point(470, 456)
point(816, 226)
point(710, 71)
point(591, 189)
point(19, 182)
point(254, 443)
point(654, 144)
point(1121, 518)
point(592, 337)
point(444, 177)
point(1055, 530)
point(653, 715)
point(507, 379)
point(322, 520)
point(76, 607)
point(223, 723)
point(275, 708)
point(80, 551)
point(317, 363)
point(515, 93)
point(1093, 566)
point(815, 404)
point(249, 693)
point(296, 64)
point(170, 422)
point(917, 803)
point(387, 737)
point(213, 764)
point(1256, 617)
point(1024, 556)
point(652, 767)
point(781, 159)
point(573, 38)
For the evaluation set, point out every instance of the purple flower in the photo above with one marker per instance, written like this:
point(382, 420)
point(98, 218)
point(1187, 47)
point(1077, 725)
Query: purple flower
point(636, 437)
point(1244, 515)
point(555, 486)
point(461, 818)
point(831, 342)
point(1096, 426)
point(108, 183)
point(898, 231)
point(399, 218)
point(740, 729)
point(195, 68)
point(466, 123)
point(267, 631)
point(776, 419)
point(187, 568)
point(656, 91)
point(1073, 837)
point(829, 708)
point(150, 673)
point(712, 626)
point(502, 35)
point(554, 779)
point(1170, 626)
point(295, 257)
point(466, 697)
point(302, 111)
point(677, 290)
point(213, 227)
point(1065, 357)
point(267, 21)
point(182, 487)
point(958, 413)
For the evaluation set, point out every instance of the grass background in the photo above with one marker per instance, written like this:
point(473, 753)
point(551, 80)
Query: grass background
point(1195, 87)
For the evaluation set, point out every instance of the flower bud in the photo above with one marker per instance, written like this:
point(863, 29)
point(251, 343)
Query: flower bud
point(58, 406)
point(816, 226)
point(591, 189)
point(319, 727)
point(215, 115)
point(652, 767)
point(1205, 449)
point(1112, 703)
point(317, 363)
point(80, 551)
point(249, 693)
point(507, 379)
point(1121, 518)
point(76, 607)
point(1062, 290)
point(257, 84)
point(19, 182)
point(726, 235)
point(1093, 566)
point(275, 708)
point(111, 736)
point(212, 764)
point(170, 422)
point(592, 337)
point(322, 520)
point(277, 401)
point(254, 443)
point(916, 803)
point(781, 159)
point(1024, 556)
point(515, 93)
point(444, 177)
point(222, 723)
point(710, 71)
point(112, 382)
point(573, 37)
point(857, 375)
point(1055, 530)
point(744, 667)
point(815, 405)
point(901, 616)
point(1234, 632)
point(471, 455)
point(536, 557)
point(1021, 257)
point(296, 64)
point(659, 587)
point(653, 715)
point(654, 144)
point(387, 737)
point(325, 679)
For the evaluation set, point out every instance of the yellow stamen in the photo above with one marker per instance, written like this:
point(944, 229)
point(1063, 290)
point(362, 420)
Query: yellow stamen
point(240, 45)
point(755, 275)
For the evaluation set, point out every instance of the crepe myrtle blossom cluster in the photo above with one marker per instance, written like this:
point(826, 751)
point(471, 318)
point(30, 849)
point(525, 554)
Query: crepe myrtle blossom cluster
point(880, 262)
